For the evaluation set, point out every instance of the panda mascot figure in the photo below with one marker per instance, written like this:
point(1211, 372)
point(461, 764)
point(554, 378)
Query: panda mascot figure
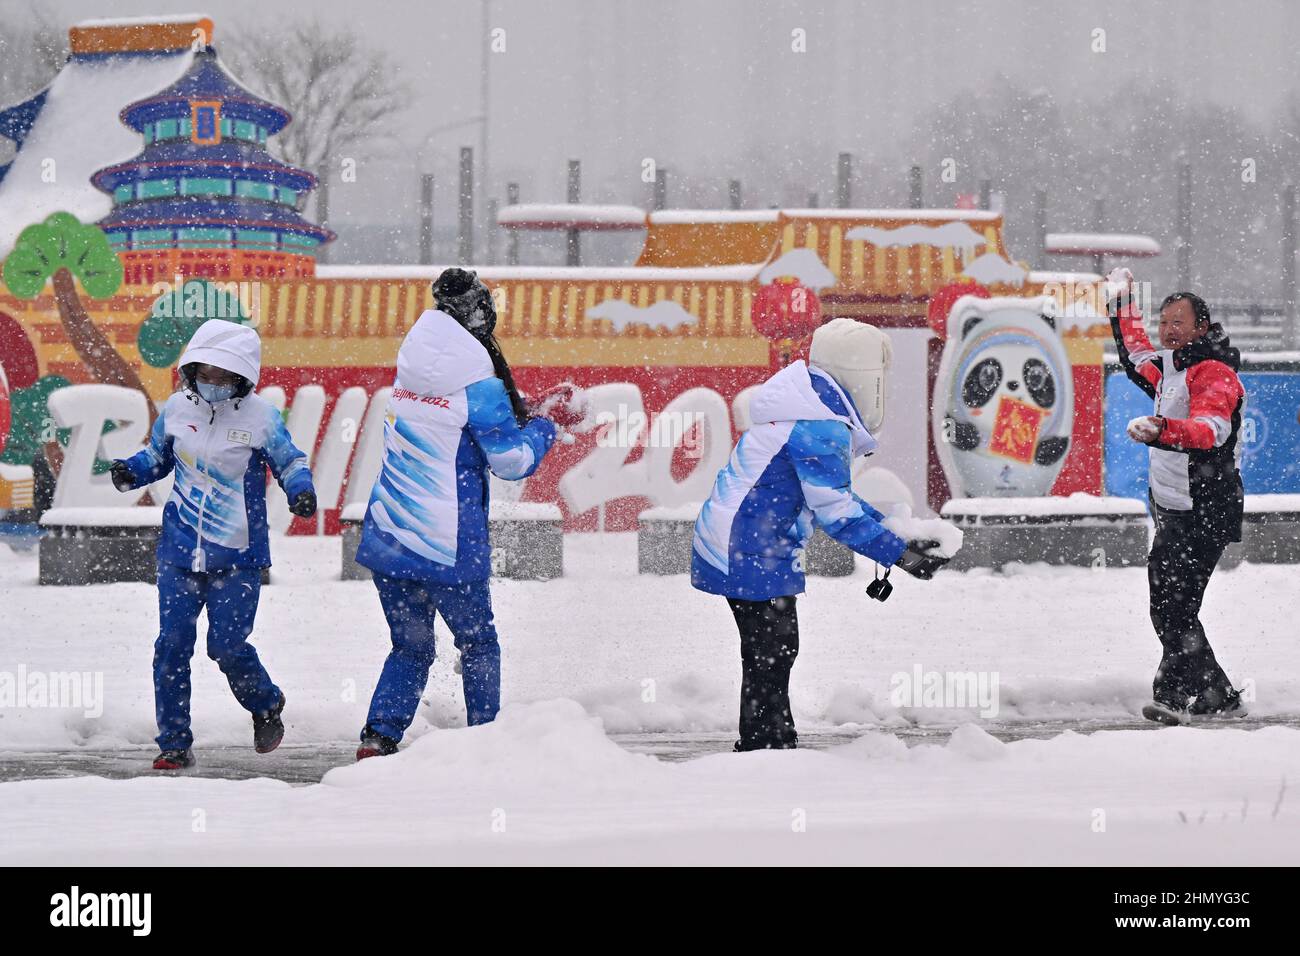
point(1003, 406)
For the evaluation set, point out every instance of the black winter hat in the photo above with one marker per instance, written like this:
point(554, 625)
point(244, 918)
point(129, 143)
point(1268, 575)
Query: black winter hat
point(466, 299)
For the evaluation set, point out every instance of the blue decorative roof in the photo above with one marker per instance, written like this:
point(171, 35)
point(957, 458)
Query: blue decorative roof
point(228, 158)
point(206, 80)
point(204, 165)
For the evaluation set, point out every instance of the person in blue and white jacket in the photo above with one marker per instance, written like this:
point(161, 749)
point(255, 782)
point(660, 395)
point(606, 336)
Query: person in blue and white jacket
point(454, 415)
point(791, 467)
point(219, 439)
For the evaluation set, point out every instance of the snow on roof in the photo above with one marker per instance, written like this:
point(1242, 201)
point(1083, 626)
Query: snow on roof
point(939, 215)
point(78, 132)
point(1092, 243)
point(674, 217)
point(664, 314)
point(957, 235)
point(143, 21)
point(565, 215)
point(804, 264)
point(992, 269)
point(740, 273)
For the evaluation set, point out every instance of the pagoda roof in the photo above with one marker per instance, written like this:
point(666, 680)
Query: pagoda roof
point(219, 213)
point(182, 158)
point(207, 79)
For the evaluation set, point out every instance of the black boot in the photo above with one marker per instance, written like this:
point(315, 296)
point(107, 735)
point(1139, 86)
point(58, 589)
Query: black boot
point(375, 744)
point(1214, 704)
point(174, 760)
point(268, 728)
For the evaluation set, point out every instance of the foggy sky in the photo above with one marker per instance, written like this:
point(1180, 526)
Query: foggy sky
point(702, 86)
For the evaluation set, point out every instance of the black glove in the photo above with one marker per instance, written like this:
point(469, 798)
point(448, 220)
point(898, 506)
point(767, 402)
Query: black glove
point(917, 563)
point(304, 506)
point(123, 480)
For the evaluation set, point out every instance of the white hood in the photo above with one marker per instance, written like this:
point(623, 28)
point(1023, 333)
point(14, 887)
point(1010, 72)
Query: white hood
point(439, 357)
point(789, 396)
point(229, 345)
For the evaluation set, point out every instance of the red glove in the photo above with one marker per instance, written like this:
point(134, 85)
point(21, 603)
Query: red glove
point(564, 404)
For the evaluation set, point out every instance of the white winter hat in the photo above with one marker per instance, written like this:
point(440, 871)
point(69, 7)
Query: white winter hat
point(857, 356)
point(225, 344)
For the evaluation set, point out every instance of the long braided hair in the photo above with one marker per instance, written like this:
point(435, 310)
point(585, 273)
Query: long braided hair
point(463, 296)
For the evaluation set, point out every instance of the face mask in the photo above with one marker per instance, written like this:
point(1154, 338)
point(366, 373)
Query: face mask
point(215, 393)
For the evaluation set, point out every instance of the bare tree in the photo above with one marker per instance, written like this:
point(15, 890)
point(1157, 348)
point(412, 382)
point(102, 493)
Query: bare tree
point(343, 95)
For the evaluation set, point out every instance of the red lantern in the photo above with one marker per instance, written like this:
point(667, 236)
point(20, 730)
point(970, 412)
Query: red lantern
point(786, 312)
point(941, 303)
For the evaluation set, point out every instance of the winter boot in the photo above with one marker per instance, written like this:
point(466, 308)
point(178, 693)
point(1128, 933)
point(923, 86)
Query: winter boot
point(1232, 706)
point(268, 728)
point(375, 744)
point(174, 760)
point(1163, 713)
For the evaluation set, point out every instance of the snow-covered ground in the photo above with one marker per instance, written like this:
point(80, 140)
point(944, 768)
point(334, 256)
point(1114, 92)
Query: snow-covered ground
point(606, 651)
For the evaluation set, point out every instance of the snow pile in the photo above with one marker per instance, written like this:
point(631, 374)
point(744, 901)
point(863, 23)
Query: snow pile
point(1079, 504)
point(552, 743)
point(900, 520)
point(545, 784)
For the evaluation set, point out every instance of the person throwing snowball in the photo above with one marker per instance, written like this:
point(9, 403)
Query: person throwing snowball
point(1195, 488)
point(454, 415)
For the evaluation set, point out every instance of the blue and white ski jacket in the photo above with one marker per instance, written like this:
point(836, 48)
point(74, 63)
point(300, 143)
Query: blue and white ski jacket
point(449, 421)
point(791, 466)
point(215, 517)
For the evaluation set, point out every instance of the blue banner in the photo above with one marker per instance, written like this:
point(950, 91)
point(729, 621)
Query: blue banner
point(1270, 434)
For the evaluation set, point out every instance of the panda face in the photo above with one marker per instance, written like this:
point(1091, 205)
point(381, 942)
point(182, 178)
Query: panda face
point(1004, 367)
point(1013, 368)
point(985, 377)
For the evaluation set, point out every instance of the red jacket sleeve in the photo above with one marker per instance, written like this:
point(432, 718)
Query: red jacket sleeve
point(1134, 346)
point(1215, 391)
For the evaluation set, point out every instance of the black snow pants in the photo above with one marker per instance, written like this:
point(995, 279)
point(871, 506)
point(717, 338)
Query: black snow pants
point(1178, 569)
point(769, 643)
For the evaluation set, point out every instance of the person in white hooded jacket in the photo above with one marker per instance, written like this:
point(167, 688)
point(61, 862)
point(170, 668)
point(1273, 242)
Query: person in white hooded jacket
point(791, 468)
point(454, 415)
point(219, 438)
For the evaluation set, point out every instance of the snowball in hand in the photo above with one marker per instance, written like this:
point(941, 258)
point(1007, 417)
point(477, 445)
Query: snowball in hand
point(900, 520)
point(1144, 429)
point(1118, 281)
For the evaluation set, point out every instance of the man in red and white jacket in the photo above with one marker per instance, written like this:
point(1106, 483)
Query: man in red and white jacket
point(1195, 491)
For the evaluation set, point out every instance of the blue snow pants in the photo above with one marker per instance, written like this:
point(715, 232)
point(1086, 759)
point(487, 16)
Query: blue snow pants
point(231, 597)
point(410, 607)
